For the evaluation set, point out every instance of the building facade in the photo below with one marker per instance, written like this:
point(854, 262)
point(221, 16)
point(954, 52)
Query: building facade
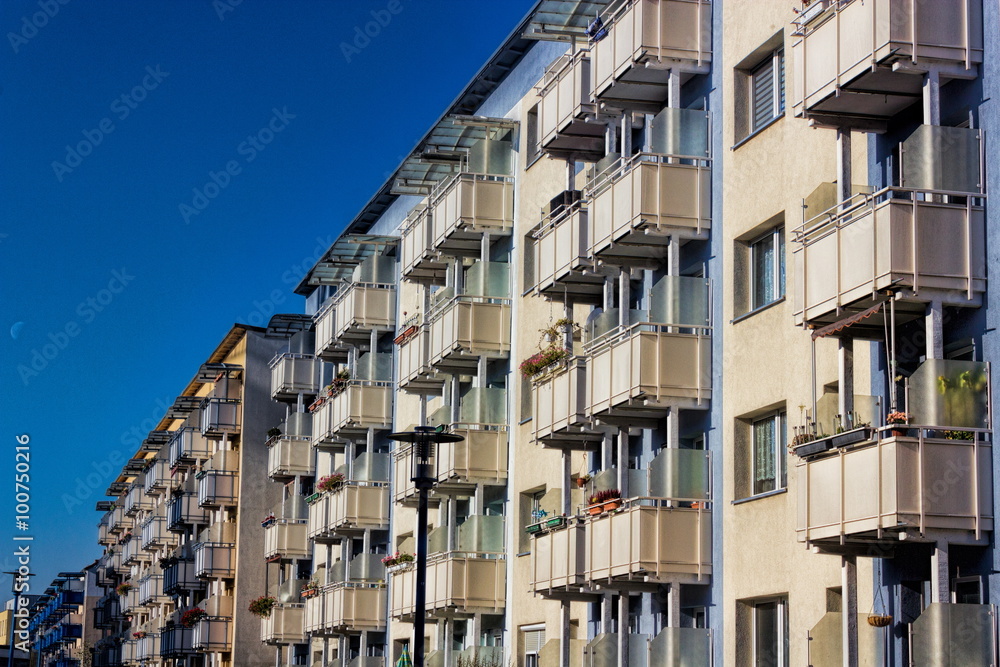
point(702, 285)
point(61, 623)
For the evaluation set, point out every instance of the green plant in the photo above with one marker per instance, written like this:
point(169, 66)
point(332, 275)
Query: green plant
point(331, 482)
point(262, 606)
point(896, 418)
point(554, 331)
point(605, 496)
point(273, 432)
point(123, 589)
point(536, 363)
point(959, 435)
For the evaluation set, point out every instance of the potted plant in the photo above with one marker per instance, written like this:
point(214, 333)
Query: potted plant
point(895, 419)
point(273, 432)
point(331, 482)
point(340, 382)
point(582, 480)
point(879, 620)
point(611, 499)
point(959, 435)
point(309, 589)
point(138, 635)
point(398, 562)
point(192, 616)
point(539, 361)
point(261, 607)
point(123, 589)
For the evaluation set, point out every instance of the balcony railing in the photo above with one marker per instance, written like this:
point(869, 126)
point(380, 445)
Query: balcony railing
point(559, 396)
point(416, 375)
point(215, 552)
point(867, 59)
point(467, 206)
point(561, 260)
point(354, 605)
point(119, 521)
point(672, 646)
point(133, 553)
point(180, 576)
point(158, 478)
point(643, 38)
point(284, 625)
point(420, 262)
point(328, 346)
point(213, 634)
point(565, 107)
point(218, 483)
point(151, 589)
point(188, 446)
point(293, 374)
point(135, 498)
point(176, 641)
point(183, 511)
point(354, 506)
point(954, 634)
point(659, 357)
point(155, 533)
point(289, 456)
point(220, 416)
point(362, 307)
point(465, 327)
point(286, 538)
point(922, 243)
point(638, 203)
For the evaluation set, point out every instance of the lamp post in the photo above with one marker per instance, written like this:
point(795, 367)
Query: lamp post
point(423, 440)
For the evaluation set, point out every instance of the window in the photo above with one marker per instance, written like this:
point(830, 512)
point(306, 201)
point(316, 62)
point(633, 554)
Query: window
point(769, 454)
point(770, 633)
point(767, 268)
point(531, 138)
point(534, 640)
point(767, 90)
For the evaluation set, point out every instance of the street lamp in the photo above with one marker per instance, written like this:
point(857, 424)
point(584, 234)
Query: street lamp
point(423, 440)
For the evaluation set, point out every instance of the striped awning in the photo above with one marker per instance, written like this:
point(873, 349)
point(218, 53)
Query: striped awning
point(848, 321)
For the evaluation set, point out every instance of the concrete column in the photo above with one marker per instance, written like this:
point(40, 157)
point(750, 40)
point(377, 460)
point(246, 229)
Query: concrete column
point(844, 176)
point(448, 626)
point(349, 454)
point(606, 612)
point(484, 248)
point(564, 635)
point(673, 428)
point(932, 98)
point(845, 367)
point(455, 398)
point(934, 328)
point(940, 584)
point(674, 606)
point(480, 379)
point(673, 88)
point(423, 409)
point(623, 633)
point(451, 512)
point(623, 461)
point(849, 609)
point(626, 135)
point(478, 501)
point(475, 630)
point(346, 553)
point(567, 491)
point(624, 286)
point(606, 444)
point(373, 341)
point(674, 257)
point(570, 174)
point(363, 644)
point(609, 293)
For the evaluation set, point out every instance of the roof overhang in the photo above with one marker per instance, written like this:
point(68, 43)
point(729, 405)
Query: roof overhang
point(563, 20)
point(339, 262)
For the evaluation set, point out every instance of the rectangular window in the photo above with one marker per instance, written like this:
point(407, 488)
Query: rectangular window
point(767, 90)
point(767, 268)
point(532, 140)
point(769, 472)
point(770, 633)
point(534, 640)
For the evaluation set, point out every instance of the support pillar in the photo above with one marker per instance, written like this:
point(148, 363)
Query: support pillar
point(623, 461)
point(674, 605)
point(623, 630)
point(940, 584)
point(932, 98)
point(845, 368)
point(934, 328)
point(564, 638)
point(849, 609)
point(844, 175)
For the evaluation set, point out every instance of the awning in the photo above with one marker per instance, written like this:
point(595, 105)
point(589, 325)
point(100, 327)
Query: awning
point(344, 255)
point(563, 19)
point(840, 325)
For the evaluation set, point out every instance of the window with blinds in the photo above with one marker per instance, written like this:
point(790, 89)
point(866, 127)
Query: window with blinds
point(767, 90)
point(534, 640)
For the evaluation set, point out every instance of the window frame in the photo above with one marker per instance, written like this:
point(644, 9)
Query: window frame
point(776, 237)
point(781, 604)
point(776, 61)
point(537, 630)
point(780, 419)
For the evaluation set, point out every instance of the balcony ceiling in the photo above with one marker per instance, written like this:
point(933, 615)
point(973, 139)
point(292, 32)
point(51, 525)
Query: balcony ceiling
point(563, 19)
point(286, 325)
point(344, 255)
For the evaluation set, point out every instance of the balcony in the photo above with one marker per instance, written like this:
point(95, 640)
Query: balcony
point(566, 107)
point(155, 533)
point(907, 483)
point(658, 357)
point(218, 482)
point(285, 535)
point(364, 402)
point(420, 262)
point(135, 498)
point(354, 507)
point(189, 446)
point(180, 576)
point(954, 634)
point(560, 253)
point(289, 456)
point(213, 635)
point(151, 588)
point(128, 651)
point(416, 375)
point(924, 241)
point(220, 416)
point(119, 521)
point(132, 552)
point(469, 205)
point(130, 601)
point(353, 606)
point(215, 552)
point(157, 478)
point(148, 648)
point(328, 346)
point(672, 646)
point(364, 307)
point(559, 395)
point(644, 37)
point(866, 59)
point(183, 512)
point(176, 641)
point(471, 579)
point(293, 374)
point(104, 536)
point(477, 323)
point(639, 203)
point(284, 625)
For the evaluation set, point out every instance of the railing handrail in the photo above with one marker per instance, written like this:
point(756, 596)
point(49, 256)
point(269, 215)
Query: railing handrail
point(352, 583)
point(833, 215)
point(624, 165)
point(621, 332)
point(281, 356)
point(434, 314)
point(348, 287)
point(441, 556)
point(554, 71)
point(549, 223)
point(446, 184)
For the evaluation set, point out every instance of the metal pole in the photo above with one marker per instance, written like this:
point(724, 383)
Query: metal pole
point(420, 596)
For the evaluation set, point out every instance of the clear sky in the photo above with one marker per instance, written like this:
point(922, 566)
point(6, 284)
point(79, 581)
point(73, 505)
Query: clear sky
point(128, 250)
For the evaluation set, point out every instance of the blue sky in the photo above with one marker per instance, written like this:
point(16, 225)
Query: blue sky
point(166, 169)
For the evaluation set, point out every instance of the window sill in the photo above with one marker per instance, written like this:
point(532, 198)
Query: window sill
point(523, 553)
point(757, 131)
point(532, 159)
point(759, 309)
point(766, 494)
point(524, 421)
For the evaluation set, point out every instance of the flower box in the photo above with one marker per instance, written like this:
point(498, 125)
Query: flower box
point(400, 567)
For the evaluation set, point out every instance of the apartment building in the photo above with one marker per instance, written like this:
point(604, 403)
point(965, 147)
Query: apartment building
point(183, 554)
point(61, 625)
point(703, 287)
